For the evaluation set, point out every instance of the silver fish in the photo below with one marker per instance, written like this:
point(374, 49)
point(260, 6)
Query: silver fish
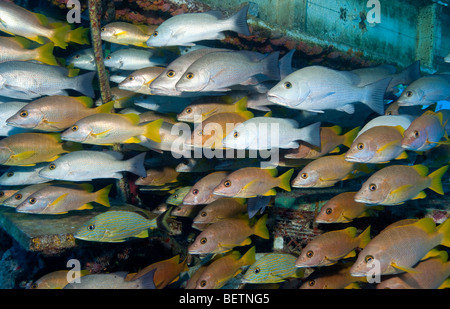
point(133, 59)
point(426, 90)
point(83, 59)
point(23, 175)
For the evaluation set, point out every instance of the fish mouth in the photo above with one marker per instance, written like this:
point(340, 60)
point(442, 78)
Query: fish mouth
point(351, 158)
point(276, 99)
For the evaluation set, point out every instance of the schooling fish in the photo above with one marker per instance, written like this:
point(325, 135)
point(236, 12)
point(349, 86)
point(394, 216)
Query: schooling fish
point(28, 80)
point(379, 144)
point(23, 175)
point(158, 177)
point(404, 121)
point(59, 199)
point(330, 247)
point(177, 197)
point(7, 109)
point(115, 226)
point(139, 81)
point(426, 90)
point(20, 196)
point(86, 165)
point(124, 33)
point(187, 28)
point(318, 88)
point(220, 209)
point(55, 280)
point(396, 184)
point(273, 268)
point(19, 49)
point(108, 129)
point(32, 148)
point(115, 280)
point(202, 191)
point(330, 140)
point(260, 133)
point(227, 234)
point(343, 208)
point(333, 277)
point(223, 269)
point(83, 59)
point(426, 131)
point(16, 20)
point(6, 194)
point(55, 113)
point(133, 59)
point(219, 71)
point(253, 181)
point(398, 249)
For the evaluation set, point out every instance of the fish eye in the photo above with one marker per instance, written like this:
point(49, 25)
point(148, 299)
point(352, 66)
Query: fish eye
point(288, 85)
point(203, 283)
point(409, 93)
point(155, 34)
point(360, 146)
point(190, 75)
point(18, 196)
point(304, 175)
point(91, 227)
point(203, 240)
point(34, 285)
point(52, 166)
point(2, 194)
point(257, 270)
point(203, 214)
point(311, 282)
point(227, 183)
point(188, 110)
point(32, 200)
point(10, 174)
point(103, 29)
point(195, 191)
point(74, 128)
point(77, 56)
point(171, 73)
point(310, 254)
point(131, 78)
point(236, 134)
point(389, 113)
point(200, 132)
point(368, 258)
point(372, 187)
point(416, 134)
point(23, 114)
point(108, 58)
point(328, 211)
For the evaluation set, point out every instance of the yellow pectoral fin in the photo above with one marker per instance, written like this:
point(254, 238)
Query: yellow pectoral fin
point(405, 269)
point(100, 134)
point(23, 155)
point(387, 145)
point(400, 189)
point(58, 200)
point(120, 33)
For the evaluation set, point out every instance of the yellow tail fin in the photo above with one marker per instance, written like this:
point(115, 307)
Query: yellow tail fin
point(364, 237)
point(285, 180)
point(436, 180)
point(350, 137)
point(106, 108)
point(45, 54)
point(444, 229)
point(59, 36)
point(249, 257)
point(241, 105)
point(79, 36)
point(152, 130)
point(103, 196)
point(260, 228)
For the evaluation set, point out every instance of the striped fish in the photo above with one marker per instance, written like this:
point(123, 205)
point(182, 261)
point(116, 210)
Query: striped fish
point(273, 268)
point(115, 226)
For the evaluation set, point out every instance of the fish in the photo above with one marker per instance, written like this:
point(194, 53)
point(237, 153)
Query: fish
point(379, 144)
point(396, 184)
point(220, 209)
point(177, 197)
point(218, 71)
point(333, 277)
point(32, 148)
point(343, 208)
point(16, 20)
point(115, 226)
point(426, 90)
point(330, 140)
point(191, 165)
point(330, 247)
point(60, 199)
point(86, 165)
point(56, 113)
point(404, 121)
point(202, 191)
point(199, 112)
point(447, 58)
point(165, 271)
point(429, 273)
point(124, 33)
point(426, 131)
point(115, 280)
point(21, 195)
point(23, 175)
point(210, 133)
point(6, 194)
point(108, 129)
point(122, 98)
point(55, 280)
point(398, 249)
point(261, 133)
point(172, 139)
point(161, 103)
point(8, 109)
point(187, 211)
point(226, 234)
point(28, 80)
point(253, 181)
point(158, 177)
point(139, 81)
point(221, 270)
point(19, 49)
point(318, 88)
point(83, 59)
point(185, 29)
point(165, 83)
point(325, 172)
point(133, 59)
point(273, 267)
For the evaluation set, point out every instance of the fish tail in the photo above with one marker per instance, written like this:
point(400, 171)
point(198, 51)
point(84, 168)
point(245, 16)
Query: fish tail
point(70, 146)
point(375, 95)
point(103, 196)
point(241, 105)
point(249, 257)
point(311, 134)
point(350, 136)
point(105, 108)
point(83, 84)
point(411, 73)
point(260, 228)
point(59, 36)
point(444, 230)
point(270, 67)
point(436, 180)
point(45, 54)
point(285, 180)
point(136, 165)
point(79, 36)
point(364, 238)
point(285, 64)
point(239, 21)
point(152, 130)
